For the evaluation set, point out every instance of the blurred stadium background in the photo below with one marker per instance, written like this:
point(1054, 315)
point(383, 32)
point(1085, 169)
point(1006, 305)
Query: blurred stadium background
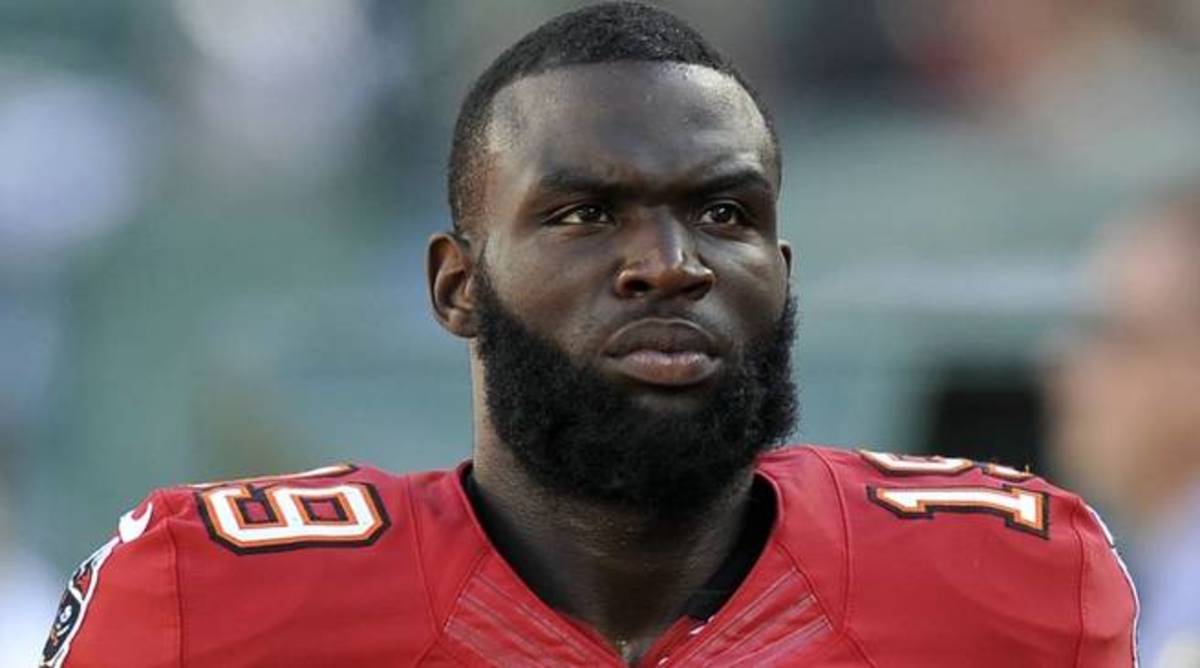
point(213, 216)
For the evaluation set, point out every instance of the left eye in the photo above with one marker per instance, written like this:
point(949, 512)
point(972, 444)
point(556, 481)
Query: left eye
point(721, 214)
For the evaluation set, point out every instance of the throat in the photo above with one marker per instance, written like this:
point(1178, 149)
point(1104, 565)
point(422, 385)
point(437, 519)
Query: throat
point(629, 577)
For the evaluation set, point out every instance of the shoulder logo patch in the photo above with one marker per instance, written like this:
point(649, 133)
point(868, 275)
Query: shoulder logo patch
point(73, 605)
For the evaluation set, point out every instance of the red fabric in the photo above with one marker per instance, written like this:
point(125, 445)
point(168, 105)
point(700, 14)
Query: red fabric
point(842, 582)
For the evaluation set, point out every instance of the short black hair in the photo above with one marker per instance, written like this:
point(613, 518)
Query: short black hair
point(602, 33)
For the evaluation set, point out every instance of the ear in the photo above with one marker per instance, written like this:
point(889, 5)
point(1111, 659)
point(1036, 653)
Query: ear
point(785, 249)
point(449, 269)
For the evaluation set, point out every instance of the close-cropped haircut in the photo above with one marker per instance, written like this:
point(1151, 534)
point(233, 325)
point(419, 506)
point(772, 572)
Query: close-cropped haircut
point(602, 33)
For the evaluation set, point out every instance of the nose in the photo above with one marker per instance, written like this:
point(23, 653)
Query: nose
point(662, 262)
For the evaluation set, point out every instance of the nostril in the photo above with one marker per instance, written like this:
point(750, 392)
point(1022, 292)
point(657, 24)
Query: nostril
point(683, 280)
point(636, 286)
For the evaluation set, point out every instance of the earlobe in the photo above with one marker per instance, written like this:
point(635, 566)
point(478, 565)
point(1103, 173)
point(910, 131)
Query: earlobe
point(785, 249)
point(449, 272)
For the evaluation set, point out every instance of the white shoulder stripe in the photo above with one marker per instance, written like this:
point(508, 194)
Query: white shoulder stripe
point(1137, 606)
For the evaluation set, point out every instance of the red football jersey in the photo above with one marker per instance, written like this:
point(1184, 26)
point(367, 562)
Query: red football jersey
point(873, 560)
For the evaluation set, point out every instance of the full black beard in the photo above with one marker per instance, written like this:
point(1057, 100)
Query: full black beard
point(578, 435)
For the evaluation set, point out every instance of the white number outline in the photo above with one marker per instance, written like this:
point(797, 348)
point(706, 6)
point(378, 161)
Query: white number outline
point(291, 523)
point(894, 464)
point(330, 471)
point(1022, 509)
point(908, 465)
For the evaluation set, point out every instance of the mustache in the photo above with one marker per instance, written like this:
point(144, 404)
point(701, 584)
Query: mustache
point(666, 313)
point(670, 310)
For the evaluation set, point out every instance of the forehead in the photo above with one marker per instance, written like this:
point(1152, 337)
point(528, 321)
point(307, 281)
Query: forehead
point(625, 119)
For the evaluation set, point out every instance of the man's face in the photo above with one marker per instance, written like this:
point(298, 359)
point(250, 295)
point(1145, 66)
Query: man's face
point(631, 269)
point(1127, 396)
point(621, 192)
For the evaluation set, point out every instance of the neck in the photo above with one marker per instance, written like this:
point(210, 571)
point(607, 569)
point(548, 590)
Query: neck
point(625, 573)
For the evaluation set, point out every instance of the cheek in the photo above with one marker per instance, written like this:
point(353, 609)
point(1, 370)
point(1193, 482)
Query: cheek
point(555, 297)
point(753, 285)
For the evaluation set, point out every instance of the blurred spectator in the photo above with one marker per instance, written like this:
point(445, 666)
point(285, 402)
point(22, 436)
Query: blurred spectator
point(1126, 418)
point(1073, 81)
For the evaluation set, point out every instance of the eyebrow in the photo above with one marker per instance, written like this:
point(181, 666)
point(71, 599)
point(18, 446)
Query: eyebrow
point(569, 181)
point(735, 179)
point(572, 181)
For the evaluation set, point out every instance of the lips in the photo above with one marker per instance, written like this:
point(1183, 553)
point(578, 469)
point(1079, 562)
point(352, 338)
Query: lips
point(663, 352)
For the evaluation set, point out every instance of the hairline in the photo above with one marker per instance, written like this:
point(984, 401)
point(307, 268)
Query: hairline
point(487, 118)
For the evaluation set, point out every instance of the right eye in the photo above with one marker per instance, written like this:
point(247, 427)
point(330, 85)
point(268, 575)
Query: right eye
point(584, 215)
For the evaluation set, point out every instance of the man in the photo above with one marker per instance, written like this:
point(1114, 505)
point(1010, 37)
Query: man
point(1127, 418)
point(615, 266)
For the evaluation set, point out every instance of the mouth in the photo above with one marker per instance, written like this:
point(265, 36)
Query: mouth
point(669, 353)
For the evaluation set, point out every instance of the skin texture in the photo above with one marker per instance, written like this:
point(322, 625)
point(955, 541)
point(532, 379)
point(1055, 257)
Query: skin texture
point(1126, 395)
point(614, 190)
